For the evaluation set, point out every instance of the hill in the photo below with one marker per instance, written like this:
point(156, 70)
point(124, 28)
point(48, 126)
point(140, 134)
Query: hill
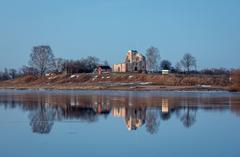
point(121, 81)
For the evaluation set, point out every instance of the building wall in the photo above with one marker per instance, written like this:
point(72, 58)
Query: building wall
point(135, 61)
point(119, 112)
point(120, 67)
point(136, 67)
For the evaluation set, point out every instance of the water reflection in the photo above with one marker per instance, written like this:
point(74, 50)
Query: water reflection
point(42, 119)
point(134, 116)
point(135, 110)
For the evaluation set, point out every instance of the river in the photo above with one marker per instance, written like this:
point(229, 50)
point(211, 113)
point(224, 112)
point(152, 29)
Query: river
point(37, 123)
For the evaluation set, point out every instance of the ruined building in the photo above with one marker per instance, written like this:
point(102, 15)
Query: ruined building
point(134, 62)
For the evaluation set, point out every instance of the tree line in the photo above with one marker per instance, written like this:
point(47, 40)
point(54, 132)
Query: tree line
point(187, 65)
point(42, 60)
point(155, 64)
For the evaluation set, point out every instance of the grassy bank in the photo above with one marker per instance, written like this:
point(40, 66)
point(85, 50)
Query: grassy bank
point(122, 81)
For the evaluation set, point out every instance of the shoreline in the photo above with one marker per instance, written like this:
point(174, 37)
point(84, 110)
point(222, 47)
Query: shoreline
point(117, 88)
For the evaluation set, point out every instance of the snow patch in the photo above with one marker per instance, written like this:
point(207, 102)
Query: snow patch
point(145, 83)
point(130, 76)
point(53, 77)
point(72, 76)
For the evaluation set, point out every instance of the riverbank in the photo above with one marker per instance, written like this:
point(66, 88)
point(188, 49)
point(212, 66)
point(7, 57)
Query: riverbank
point(136, 87)
point(121, 81)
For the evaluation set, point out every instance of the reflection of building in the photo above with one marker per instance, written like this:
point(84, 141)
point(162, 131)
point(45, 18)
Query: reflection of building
point(165, 108)
point(102, 108)
point(46, 107)
point(100, 104)
point(86, 108)
point(134, 62)
point(134, 117)
point(119, 112)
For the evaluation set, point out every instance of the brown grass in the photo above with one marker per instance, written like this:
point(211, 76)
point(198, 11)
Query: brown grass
point(235, 78)
point(76, 81)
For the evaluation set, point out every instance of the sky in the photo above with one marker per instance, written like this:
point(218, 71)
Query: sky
point(107, 29)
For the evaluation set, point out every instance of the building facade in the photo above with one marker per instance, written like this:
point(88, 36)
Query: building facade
point(134, 62)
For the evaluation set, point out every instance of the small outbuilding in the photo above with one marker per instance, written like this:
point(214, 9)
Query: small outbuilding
point(103, 69)
point(165, 72)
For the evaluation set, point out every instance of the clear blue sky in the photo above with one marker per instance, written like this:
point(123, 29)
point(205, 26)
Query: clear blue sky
point(209, 29)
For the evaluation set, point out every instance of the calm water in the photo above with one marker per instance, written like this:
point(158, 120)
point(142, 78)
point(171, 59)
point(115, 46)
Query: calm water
point(118, 123)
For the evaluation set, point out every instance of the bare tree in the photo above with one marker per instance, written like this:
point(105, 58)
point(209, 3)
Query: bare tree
point(216, 71)
point(12, 73)
point(4, 75)
point(106, 63)
point(42, 59)
point(178, 67)
point(25, 70)
point(84, 65)
point(165, 64)
point(188, 62)
point(91, 63)
point(59, 64)
point(153, 58)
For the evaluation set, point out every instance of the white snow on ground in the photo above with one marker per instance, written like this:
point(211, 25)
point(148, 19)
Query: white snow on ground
point(50, 74)
point(131, 83)
point(94, 78)
point(52, 77)
point(145, 83)
point(130, 76)
point(206, 86)
point(72, 76)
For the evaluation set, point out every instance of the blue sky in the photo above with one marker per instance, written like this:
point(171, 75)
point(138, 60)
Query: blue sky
point(209, 29)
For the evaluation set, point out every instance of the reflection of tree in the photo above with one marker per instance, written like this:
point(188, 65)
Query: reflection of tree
point(152, 121)
point(42, 119)
point(89, 107)
point(235, 105)
point(165, 116)
point(86, 114)
point(189, 117)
